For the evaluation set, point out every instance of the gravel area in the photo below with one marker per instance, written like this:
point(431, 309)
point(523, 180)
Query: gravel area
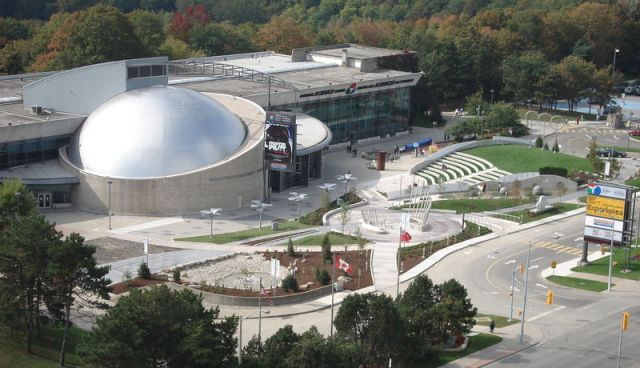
point(111, 249)
point(233, 272)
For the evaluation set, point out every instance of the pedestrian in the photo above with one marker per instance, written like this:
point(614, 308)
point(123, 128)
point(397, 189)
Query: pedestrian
point(355, 152)
point(492, 325)
point(349, 148)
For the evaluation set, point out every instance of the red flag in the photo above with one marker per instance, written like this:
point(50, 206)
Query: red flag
point(405, 236)
point(266, 293)
point(341, 264)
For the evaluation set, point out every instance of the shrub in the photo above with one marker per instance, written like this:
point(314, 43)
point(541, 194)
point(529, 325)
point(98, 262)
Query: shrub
point(290, 284)
point(555, 148)
point(290, 251)
point(313, 218)
point(539, 142)
point(323, 277)
point(326, 249)
point(176, 275)
point(143, 271)
point(559, 171)
point(126, 277)
point(545, 147)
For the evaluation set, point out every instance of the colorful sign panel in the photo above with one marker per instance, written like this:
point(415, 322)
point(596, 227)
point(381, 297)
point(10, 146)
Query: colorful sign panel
point(602, 223)
point(597, 189)
point(280, 140)
point(602, 236)
point(605, 207)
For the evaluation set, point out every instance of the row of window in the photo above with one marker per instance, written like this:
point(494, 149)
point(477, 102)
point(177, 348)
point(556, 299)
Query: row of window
point(32, 150)
point(146, 71)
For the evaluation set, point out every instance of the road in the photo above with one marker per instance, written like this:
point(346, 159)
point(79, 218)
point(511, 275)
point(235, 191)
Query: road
point(579, 325)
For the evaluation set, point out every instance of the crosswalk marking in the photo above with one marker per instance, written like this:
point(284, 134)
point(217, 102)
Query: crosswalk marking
point(559, 248)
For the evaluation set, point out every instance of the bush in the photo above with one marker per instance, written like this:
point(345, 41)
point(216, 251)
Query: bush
point(545, 147)
point(539, 142)
point(323, 277)
point(291, 252)
point(548, 170)
point(313, 218)
point(143, 271)
point(176, 275)
point(326, 249)
point(290, 284)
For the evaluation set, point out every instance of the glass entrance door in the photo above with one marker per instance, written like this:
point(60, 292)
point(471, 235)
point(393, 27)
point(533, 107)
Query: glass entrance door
point(44, 200)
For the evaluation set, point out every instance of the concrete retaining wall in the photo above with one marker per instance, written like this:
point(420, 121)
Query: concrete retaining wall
point(287, 299)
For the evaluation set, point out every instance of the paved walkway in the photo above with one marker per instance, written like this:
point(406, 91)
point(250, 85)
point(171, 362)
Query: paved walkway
point(384, 265)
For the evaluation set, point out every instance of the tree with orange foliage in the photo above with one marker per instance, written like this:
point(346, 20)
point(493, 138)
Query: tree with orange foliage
point(282, 34)
point(182, 22)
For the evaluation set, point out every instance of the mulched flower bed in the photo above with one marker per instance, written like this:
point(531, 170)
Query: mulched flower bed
point(123, 287)
point(307, 263)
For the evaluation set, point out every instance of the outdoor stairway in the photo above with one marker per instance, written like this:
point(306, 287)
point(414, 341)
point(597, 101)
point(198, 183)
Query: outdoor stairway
point(461, 167)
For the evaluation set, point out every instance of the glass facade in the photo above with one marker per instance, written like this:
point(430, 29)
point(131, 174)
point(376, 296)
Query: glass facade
point(361, 115)
point(31, 150)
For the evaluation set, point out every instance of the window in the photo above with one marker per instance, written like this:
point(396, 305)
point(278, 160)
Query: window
point(132, 72)
point(157, 70)
point(145, 71)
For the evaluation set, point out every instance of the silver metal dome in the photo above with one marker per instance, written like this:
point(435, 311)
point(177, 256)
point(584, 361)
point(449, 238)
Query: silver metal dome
point(155, 132)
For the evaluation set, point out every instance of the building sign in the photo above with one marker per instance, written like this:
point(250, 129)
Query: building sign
point(605, 207)
point(280, 140)
point(604, 236)
point(352, 88)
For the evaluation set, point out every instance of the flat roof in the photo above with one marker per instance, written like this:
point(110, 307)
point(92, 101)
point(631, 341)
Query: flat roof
point(357, 52)
point(15, 114)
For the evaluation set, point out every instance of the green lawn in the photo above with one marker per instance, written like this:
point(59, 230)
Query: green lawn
point(476, 343)
point(499, 320)
point(245, 234)
point(527, 216)
point(601, 266)
point(519, 158)
point(46, 351)
point(477, 205)
point(635, 182)
point(335, 238)
point(578, 283)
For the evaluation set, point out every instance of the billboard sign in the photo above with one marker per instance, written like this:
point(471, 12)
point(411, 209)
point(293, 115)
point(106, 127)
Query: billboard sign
point(280, 140)
point(607, 213)
point(605, 207)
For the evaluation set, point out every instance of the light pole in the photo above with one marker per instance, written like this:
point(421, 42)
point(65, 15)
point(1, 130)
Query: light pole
point(240, 330)
point(297, 197)
point(613, 72)
point(327, 187)
point(110, 182)
point(211, 212)
point(524, 302)
point(345, 179)
point(610, 262)
point(259, 206)
point(492, 96)
point(513, 287)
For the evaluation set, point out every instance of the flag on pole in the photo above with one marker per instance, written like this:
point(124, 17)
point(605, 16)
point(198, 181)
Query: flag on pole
point(341, 264)
point(146, 245)
point(405, 236)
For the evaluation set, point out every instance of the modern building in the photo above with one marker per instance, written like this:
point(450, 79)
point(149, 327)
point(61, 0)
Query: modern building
point(150, 136)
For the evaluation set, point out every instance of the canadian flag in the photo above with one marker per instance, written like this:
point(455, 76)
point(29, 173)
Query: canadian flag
point(266, 293)
point(341, 264)
point(405, 236)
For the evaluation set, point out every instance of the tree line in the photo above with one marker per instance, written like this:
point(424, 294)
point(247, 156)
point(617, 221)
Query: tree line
point(518, 49)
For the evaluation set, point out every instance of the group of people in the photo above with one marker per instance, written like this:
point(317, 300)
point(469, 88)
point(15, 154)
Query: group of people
point(459, 111)
point(351, 149)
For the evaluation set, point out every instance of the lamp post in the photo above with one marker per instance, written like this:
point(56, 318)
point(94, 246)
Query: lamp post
point(492, 96)
point(610, 263)
point(327, 187)
point(297, 197)
point(524, 302)
point(345, 179)
point(260, 311)
point(211, 212)
point(613, 72)
point(259, 206)
point(110, 182)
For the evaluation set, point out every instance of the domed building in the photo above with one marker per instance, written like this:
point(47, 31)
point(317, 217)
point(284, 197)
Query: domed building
point(166, 150)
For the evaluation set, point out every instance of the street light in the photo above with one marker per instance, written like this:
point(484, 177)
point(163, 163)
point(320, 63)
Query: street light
point(211, 212)
point(524, 302)
point(109, 182)
point(613, 72)
point(259, 207)
point(492, 96)
point(297, 197)
point(240, 319)
point(345, 179)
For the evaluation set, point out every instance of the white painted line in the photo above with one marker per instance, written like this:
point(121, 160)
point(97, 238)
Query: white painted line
point(516, 289)
point(541, 286)
point(578, 239)
point(546, 313)
point(537, 259)
point(491, 256)
point(492, 292)
point(588, 136)
point(511, 261)
point(533, 267)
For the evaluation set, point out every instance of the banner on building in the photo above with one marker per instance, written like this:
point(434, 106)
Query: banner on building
point(280, 140)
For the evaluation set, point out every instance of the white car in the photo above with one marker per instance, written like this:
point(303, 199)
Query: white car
point(630, 90)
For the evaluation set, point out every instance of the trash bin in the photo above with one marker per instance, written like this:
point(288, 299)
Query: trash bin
point(380, 160)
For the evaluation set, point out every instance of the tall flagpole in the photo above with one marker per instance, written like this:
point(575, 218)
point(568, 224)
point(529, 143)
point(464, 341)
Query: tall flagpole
point(260, 313)
point(398, 263)
point(333, 280)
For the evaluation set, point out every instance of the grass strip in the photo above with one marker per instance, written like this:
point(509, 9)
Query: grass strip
point(245, 234)
point(578, 283)
point(518, 158)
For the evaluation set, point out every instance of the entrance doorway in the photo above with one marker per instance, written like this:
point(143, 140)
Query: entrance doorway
point(44, 200)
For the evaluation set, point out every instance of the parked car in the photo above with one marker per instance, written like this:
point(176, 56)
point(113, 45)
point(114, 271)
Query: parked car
point(629, 90)
point(619, 88)
point(635, 132)
point(611, 109)
point(608, 152)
